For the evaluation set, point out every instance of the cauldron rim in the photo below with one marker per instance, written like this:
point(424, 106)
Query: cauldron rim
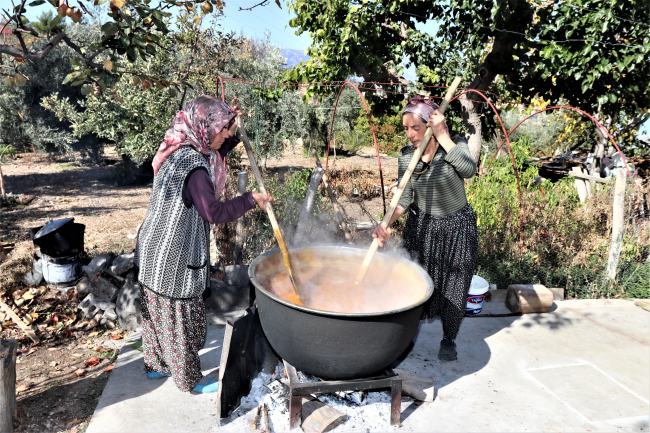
point(416, 266)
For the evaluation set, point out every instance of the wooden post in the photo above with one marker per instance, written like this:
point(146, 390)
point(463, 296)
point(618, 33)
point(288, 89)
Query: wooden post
point(240, 230)
point(340, 212)
point(8, 350)
point(2, 186)
point(618, 221)
point(580, 185)
point(316, 177)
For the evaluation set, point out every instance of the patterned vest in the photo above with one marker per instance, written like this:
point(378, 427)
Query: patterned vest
point(173, 247)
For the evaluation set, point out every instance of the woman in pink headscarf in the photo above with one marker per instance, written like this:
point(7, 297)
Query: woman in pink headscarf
point(173, 246)
point(440, 232)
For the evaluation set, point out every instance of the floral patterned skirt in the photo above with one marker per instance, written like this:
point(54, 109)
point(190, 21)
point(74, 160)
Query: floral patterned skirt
point(447, 248)
point(173, 332)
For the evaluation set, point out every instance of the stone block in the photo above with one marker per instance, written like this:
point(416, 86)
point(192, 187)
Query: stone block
point(123, 263)
point(558, 293)
point(88, 305)
point(225, 298)
point(103, 305)
point(132, 275)
point(103, 290)
point(236, 275)
point(128, 309)
point(110, 313)
point(84, 287)
point(98, 264)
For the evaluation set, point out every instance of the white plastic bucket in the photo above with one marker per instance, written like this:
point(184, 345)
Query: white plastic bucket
point(476, 295)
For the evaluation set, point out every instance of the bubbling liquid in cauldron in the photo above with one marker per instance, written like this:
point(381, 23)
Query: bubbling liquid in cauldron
point(335, 289)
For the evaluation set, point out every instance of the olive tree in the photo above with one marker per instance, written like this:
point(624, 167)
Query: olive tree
point(593, 54)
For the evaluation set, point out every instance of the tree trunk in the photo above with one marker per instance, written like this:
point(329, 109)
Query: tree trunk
point(601, 142)
point(503, 153)
point(473, 124)
point(485, 75)
point(128, 175)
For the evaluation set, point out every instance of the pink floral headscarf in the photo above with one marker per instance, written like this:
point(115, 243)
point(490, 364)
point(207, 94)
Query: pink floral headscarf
point(423, 107)
point(197, 125)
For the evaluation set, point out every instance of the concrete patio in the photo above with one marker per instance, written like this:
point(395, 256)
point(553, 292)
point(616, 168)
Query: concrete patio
point(584, 366)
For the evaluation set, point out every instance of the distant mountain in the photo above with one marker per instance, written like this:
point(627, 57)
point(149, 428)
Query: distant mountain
point(294, 56)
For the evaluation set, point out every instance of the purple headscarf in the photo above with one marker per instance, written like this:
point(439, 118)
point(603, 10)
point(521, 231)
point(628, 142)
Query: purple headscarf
point(423, 107)
point(197, 125)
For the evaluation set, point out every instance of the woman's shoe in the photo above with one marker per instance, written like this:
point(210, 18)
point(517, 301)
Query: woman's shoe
point(211, 386)
point(447, 351)
point(155, 375)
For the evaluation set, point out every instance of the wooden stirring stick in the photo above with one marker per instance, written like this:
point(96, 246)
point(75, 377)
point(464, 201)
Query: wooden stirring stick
point(269, 211)
point(419, 151)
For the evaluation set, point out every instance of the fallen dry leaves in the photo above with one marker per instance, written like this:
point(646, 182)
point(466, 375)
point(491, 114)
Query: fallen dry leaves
point(92, 361)
point(80, 372)
point(109, 368)
point(22, 388)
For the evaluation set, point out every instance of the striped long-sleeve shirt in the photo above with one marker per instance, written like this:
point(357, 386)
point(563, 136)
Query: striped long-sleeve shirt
point(440, 190)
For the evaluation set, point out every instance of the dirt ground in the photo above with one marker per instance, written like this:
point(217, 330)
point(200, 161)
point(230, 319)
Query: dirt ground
point(51, 396)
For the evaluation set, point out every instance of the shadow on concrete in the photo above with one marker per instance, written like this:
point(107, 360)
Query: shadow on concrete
point(473, 350)
point(130, 399)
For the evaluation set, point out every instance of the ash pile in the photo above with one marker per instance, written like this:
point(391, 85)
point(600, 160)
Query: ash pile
point(266, 408)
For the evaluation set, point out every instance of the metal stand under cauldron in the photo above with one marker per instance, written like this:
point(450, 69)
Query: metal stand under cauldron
point(299, 389)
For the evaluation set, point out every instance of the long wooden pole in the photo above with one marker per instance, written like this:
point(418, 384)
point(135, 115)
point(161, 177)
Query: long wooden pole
point(269, 211)
point(419, 151)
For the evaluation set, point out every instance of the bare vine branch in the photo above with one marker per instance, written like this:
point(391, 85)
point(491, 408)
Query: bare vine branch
point(262, 3)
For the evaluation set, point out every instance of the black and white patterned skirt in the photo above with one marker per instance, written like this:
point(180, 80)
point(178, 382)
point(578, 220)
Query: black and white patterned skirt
point(446, 247)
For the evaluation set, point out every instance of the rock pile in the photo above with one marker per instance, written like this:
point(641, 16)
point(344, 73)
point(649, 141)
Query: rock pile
point(110, 292)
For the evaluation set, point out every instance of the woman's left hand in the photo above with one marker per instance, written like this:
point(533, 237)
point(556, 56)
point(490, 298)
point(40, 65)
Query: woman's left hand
point(262, 199)
point(237, 108)
point(437, 124)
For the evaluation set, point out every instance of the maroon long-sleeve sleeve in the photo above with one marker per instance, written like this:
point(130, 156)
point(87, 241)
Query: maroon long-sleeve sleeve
point(199, 192)
point(229, 144)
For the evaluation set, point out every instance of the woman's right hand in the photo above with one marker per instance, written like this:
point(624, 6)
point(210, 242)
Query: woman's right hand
point(262, 199)
point(382, 234)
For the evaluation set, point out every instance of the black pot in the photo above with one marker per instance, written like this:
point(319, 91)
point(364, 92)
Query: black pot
point(336, 345)
point(61, 238)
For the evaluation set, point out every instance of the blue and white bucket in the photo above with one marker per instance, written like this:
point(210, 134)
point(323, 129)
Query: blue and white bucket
point(476, 295)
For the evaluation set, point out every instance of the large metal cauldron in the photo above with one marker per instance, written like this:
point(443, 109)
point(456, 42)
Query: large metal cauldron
point(334, 345)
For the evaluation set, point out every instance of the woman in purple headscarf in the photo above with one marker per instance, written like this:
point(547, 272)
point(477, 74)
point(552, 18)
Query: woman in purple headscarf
point(440, 232)
point(173, 246)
